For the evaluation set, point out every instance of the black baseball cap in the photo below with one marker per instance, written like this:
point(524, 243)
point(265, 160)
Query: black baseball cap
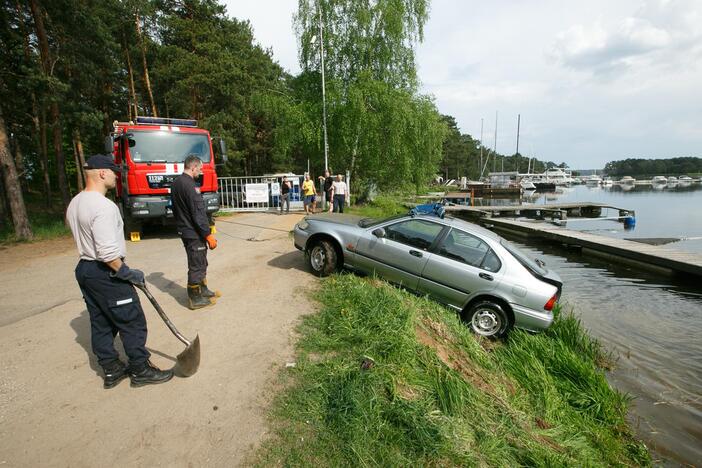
point(101, 161)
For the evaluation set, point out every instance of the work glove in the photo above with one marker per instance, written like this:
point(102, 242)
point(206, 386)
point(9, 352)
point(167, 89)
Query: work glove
point(136, 277)
point(211, 241)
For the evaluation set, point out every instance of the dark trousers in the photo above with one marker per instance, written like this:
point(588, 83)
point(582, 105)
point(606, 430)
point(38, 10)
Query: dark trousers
point(196, 251)
point(285, 200)
point(114, 307)
point(339, 203)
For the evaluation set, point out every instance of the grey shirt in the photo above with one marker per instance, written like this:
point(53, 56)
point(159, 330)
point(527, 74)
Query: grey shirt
point(97, 227)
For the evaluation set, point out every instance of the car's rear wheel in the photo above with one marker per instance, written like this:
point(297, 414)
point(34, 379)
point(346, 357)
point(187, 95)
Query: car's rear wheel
point(322, 258)
point(487, 318)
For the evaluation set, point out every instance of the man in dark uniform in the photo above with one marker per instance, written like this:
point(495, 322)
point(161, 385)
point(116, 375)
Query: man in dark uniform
point(107, 282)
point(328, 182)
point(194, 230)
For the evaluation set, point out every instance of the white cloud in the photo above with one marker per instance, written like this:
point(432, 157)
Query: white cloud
point(659, 34)
point(593, 81)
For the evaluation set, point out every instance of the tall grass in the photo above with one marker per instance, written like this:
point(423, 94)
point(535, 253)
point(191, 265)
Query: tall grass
point(385, 378)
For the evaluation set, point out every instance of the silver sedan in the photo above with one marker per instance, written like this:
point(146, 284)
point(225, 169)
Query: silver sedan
point(489, 281)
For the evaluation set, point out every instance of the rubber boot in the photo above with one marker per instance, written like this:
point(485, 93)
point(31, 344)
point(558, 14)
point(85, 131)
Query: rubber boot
point(149, 375)
point(114, 373)
point(206, 292)
point(195, 298)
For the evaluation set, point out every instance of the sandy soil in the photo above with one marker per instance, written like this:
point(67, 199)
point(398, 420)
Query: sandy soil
point(53, 409)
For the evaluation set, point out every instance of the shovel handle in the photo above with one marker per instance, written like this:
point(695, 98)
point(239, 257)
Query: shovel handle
point(163, 315)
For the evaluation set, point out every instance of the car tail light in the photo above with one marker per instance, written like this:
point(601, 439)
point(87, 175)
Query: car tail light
point(551, 302)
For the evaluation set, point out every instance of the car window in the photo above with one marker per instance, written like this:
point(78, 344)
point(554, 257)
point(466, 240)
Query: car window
point(414, 232)
point(469, 249)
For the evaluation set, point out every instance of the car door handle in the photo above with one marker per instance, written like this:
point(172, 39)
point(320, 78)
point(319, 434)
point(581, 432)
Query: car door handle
point(486, 276)
point(416, 253)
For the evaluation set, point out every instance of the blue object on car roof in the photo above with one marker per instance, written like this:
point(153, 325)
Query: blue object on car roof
point(435, 209)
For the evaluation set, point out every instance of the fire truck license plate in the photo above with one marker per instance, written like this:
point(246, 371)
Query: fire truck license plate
point(160, 180)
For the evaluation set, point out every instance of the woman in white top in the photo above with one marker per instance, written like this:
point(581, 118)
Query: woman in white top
point(340, 194)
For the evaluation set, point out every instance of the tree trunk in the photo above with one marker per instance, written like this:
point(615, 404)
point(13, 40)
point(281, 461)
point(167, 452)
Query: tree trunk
point(147, 82)
point(133, 105)
point(354, 149)
point(38, 126)
point(107, 122)
point(47, 68)
point(80, 159)
point(60, 158)
point(44, 157)
point(12, 187)
point(19, 165)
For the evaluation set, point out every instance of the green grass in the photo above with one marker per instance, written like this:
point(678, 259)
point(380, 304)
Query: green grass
point(45, 225)
point(433, 394)
point(383, 205)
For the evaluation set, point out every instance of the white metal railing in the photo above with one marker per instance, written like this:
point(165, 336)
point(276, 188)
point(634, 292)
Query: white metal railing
point(260, 193)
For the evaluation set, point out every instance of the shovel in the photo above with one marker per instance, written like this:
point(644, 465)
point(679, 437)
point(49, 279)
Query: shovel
point(189, 360)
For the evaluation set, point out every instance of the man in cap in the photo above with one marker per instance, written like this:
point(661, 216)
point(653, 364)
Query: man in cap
point(194, 230)
point(107, 283)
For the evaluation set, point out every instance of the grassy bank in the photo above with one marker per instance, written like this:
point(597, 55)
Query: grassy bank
point(383, 205)
point(387, 378)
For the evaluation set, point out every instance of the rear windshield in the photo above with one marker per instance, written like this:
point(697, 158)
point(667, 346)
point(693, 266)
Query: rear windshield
point(528, 263)
point(171, 147)
point(370, 222)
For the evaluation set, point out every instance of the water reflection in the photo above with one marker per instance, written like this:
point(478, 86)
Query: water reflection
point(653, 325)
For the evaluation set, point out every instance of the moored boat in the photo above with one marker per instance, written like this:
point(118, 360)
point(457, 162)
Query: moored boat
point(627, 180)
point(593, 180)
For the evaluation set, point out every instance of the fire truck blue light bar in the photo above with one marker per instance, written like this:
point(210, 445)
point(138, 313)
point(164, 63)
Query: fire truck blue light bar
point(140, 120)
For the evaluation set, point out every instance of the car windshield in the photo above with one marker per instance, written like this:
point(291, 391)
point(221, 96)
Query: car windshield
point(172, 147)
point(370, 222)
point(528, 263)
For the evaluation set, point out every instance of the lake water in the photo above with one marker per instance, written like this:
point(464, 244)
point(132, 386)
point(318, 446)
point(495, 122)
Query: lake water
point(651, 322)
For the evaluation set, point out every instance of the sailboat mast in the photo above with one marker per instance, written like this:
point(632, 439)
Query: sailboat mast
point(516, 154)
point(494, 147)
point(481, 146)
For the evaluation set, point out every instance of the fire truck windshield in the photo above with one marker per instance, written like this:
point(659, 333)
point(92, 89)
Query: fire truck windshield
point(172, 147)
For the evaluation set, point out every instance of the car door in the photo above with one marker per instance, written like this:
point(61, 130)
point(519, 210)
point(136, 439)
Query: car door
point(399, 256)
point(462, 265)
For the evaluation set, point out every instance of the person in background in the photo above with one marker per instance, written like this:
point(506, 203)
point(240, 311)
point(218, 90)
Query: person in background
point(285, 195)
point(309, 192)
point(107, 283)
point(328, 181)
point(341, 194)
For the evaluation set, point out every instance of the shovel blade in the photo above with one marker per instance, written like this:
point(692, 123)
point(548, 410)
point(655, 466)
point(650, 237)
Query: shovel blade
point(189, 360)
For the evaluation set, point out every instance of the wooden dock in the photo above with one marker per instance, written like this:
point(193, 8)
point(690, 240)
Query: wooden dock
point(651, 257)
point(554, 211)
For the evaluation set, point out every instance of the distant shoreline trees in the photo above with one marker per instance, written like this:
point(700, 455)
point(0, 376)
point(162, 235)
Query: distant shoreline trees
point(653, 167)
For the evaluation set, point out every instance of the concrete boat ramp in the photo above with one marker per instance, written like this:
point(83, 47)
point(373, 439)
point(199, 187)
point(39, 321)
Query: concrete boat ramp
point(653, 257)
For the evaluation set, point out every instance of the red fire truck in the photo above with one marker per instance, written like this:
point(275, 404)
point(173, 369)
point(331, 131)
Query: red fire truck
point(151, 152)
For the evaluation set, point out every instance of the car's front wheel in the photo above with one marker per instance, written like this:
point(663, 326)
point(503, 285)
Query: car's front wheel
point(487, 318)
point(322, 258)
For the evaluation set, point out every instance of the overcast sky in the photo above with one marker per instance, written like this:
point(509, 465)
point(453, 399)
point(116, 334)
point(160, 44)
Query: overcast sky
point(594, 81)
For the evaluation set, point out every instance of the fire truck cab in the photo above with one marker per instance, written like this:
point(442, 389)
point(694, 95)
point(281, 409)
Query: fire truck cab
point(151, 152)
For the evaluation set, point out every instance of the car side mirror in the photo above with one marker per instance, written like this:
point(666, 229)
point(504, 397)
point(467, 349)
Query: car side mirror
point(379, 233)
point(223, 149)
point(109, 144)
